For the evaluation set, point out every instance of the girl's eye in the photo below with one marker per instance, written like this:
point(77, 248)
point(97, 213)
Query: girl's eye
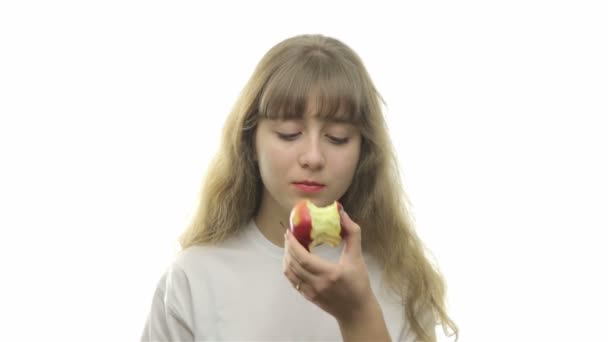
point(337, 141)
point(294, 136)
point(288, 137)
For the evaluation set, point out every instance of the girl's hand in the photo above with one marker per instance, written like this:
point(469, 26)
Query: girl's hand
point(343, 289)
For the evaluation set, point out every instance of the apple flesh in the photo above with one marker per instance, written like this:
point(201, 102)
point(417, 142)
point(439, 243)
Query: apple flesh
point(312, 225)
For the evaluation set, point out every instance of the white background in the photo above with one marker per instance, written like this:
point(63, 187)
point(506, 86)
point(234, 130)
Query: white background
point(110, 112)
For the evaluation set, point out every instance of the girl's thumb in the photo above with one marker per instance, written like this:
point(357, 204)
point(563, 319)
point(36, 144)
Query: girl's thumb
point(351, 234)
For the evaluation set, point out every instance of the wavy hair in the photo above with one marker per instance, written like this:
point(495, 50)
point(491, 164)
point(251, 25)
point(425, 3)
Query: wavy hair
point(323, 69)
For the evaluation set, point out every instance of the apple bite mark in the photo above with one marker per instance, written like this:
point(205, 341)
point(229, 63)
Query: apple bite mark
point(312, 225)
point(326, 224)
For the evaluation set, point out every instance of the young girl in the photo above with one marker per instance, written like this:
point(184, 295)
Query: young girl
point(308, 125)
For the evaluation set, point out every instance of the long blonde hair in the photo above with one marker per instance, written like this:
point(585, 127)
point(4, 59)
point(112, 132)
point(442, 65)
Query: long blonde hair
point(288, 76)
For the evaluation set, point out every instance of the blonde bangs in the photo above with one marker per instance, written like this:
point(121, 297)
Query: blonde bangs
point(333, 90)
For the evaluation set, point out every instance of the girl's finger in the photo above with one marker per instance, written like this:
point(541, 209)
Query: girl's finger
point(290, 274)
point(352, 237)
point(289, 262)
point(309, 262)
point(301, 273)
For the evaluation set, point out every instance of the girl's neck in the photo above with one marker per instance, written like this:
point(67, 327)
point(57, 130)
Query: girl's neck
point(272, 222)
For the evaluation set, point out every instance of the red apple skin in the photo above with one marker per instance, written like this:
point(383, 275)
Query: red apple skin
point(301, 224)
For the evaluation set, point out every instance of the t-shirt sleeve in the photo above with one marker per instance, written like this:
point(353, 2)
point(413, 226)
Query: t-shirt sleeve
point(170, 317)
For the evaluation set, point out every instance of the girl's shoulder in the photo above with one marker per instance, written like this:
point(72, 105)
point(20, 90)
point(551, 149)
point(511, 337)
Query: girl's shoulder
point(202, 255)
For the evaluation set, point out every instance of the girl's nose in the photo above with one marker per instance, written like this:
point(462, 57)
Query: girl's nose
point(311, 155)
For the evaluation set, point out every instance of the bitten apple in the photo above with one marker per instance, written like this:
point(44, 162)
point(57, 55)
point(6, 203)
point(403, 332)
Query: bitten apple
point(312, 225)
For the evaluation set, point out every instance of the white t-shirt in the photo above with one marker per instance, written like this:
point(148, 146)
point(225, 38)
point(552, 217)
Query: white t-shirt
point(236, 291)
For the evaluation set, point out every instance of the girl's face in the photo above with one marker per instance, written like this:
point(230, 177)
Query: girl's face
point(296, 151)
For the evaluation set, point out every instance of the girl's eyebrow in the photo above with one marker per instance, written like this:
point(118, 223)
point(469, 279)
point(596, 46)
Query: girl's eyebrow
point(324, 121)
point(284, 120)
point(339, 120)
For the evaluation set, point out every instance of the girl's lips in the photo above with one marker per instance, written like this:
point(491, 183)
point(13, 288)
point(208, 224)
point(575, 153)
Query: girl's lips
point(308, 187)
